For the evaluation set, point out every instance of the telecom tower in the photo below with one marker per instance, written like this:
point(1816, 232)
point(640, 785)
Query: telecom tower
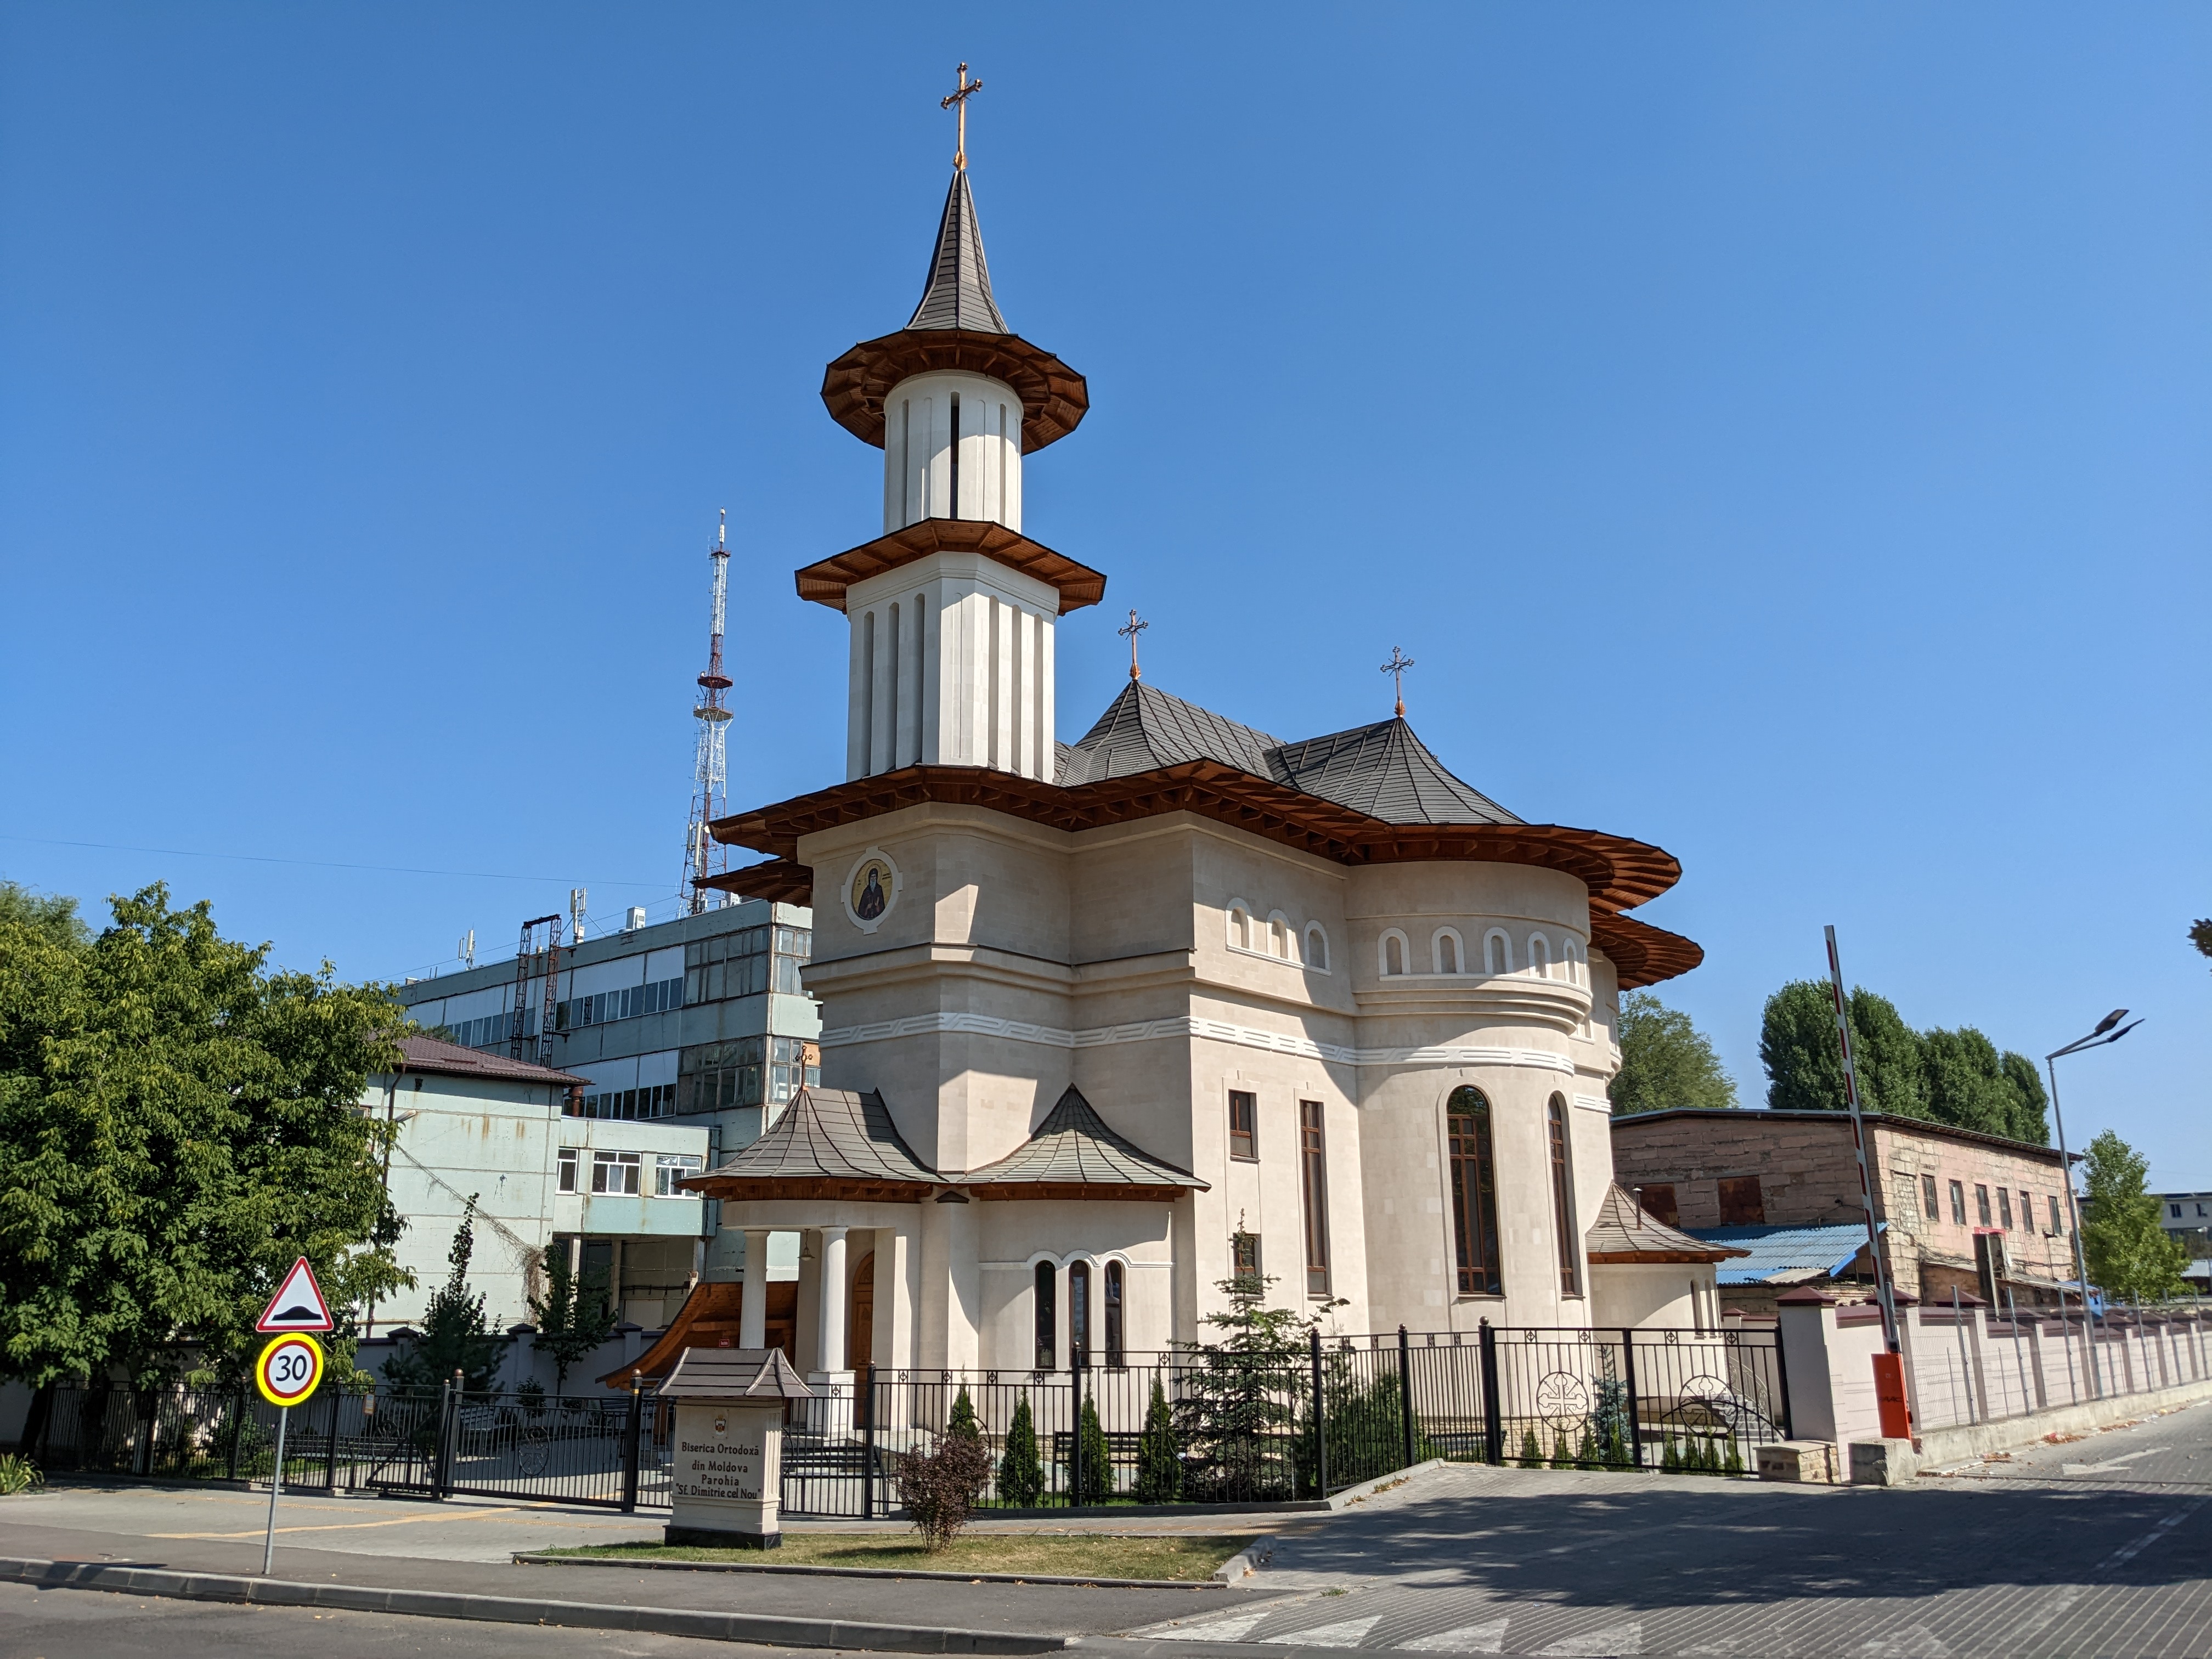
point(704, 856)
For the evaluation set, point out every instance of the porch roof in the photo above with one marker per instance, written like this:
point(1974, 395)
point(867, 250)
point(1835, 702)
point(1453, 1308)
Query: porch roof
point(1625, 1233)
point(827, 1143)
point(1075, 1154)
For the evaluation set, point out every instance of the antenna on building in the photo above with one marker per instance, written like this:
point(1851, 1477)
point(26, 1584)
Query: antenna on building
point(576, 900)
point(703, 856)
point(467, 948)
point(522, 1043)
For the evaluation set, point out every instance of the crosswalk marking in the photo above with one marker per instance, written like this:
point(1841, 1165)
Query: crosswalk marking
point(1213, 1630)
point(1913, 1642)
point(1344, 1633)
point(1614, 1638)
point(1468, 1638)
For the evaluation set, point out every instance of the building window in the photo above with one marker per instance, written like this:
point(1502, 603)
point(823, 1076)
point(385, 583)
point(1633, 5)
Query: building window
point(1563, 1200)
point(1445, 949)
point(1930, 1208)
point(670, 1168)
point(2004, 1209)
point(1539, 956)
point(1079, 1316)
point(1474, 1193)
point(1240, 927)
point(567, 1181)
point(2056, 1232)
point(1742, 1204)
point(716, 1077)
point(1982, 1202)
point(616, 1172)
point(1243, 1255)
point(1497, 952)
point(1244, 1125)
point(1958, 1204)
point(1048, 1335)
point(1313, 1181)
point(2174, 1210)
point(626, 1104)
point(1317, 946)
point(745, 962)
point(2028, 1209)
point(1115, 1333)
point(1394, 954)
point(1659, 1203)
point(1278, 936)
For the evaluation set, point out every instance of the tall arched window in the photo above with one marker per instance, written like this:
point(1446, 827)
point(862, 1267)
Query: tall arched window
point(1563, 1199)
point(1394, 953)
point(1474, 1193)
point(1078, 1315)
point(1048, 1329)
point(1240, 927)
point(1539, 956)
point(1278, 936)
point(1446, 949)
point(1577, 967)
point(1114, 1330)
point(1317, 946)
point(1497, 952)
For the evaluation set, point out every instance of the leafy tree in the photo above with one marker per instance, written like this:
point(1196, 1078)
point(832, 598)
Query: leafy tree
point(1805, 1070)
point(177, 1123)
point(2130, 1255)
point(572, 1318)
point(1159, 1458)
point(1097, 1456)
point(50, 916)
point(454, 1337)
point(1973, 1086)
point(1665, 1061)
point(1238, 1411)
point(1021, 1472)
point(2200, 935)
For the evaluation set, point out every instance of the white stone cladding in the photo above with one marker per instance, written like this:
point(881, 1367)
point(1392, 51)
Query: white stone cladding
point(920, 453)
point(952, 664)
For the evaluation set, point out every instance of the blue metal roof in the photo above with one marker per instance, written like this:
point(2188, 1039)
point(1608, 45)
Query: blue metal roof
point(1786, 1255)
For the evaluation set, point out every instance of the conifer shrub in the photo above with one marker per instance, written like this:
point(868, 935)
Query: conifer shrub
point(1098, 1458)
point(1021, 1473)
point(1670, 1461)
point(962, 1419)
point(1561, 1457)
point(1735, 1464)
point(1532, 1455)
point(1586, 1453)
point(1159, 1461)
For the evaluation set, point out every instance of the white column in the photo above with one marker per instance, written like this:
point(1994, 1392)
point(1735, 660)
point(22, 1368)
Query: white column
point(833, 1299)
point(752, 1308)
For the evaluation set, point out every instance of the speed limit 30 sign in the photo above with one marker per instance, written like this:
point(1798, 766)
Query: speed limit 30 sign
point(288, 1369)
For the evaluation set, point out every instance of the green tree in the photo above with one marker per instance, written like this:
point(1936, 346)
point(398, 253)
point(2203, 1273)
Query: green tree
point(50, 916)
point(1159, 1459)
point(1021, 1472)
point(1097, 1456)
point(2130, 1255)
point(1237, 1415)
point(572, 1318)
point(454, 1336)
point(1972, 1085)
point(2200, 935)
point(177, 1123)
point(1665, 1061)
point(1805, 1068)
point(963, 1419)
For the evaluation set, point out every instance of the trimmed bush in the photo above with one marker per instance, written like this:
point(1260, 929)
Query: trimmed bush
point(1021, 1473)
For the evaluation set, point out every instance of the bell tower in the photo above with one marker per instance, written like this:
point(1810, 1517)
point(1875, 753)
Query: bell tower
point(952, 607)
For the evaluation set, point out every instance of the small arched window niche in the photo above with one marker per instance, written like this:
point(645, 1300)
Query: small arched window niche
point(1497, 952)
point(1447, 952)
point(1281, 937)
point(1240, 925)
point(1539, 956)
point(1577, 965)
point(1316, 947)
point(1391, 954)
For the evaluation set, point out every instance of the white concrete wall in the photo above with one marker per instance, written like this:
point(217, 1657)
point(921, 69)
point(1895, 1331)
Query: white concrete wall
point(918, 451)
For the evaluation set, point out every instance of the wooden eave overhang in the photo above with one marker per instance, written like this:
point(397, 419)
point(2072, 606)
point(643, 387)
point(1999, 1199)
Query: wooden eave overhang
point(1636, 1258)
point(1620, 872)
point(1077, 1192)
point(825, 583)
point(745, 1188)
point(1054, 397)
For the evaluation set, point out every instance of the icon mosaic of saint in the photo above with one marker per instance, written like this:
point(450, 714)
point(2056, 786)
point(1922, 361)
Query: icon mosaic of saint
point(871, 890)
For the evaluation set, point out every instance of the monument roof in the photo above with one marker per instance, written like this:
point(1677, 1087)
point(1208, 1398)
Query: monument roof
point(734, 1374)
point(1624, 1231)
point(827, 1142)
point(1074, 1153)
point(958, 292)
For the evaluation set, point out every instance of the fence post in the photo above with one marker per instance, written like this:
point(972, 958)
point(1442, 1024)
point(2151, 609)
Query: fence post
point(1320, 1427)
point(331, 1460)
point(1406, 1396)
point(1782, 1379)
point(149, 1425)
point(1493, 1417)
point(237, 1428)
point(449, 1416)
point(1635, 1411)
point(632, 1432)
point(868, 1446)
point(1075, 1437)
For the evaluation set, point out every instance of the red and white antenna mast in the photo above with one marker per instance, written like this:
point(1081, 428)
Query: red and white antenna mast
point(704, 856)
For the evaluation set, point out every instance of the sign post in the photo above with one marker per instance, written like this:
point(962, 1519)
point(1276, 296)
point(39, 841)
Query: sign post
point(289, 1370)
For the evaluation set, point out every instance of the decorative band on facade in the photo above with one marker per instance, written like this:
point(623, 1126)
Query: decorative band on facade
point(1212, 1030)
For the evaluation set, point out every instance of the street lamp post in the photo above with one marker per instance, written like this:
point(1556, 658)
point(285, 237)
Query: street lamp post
point(2096, 1039)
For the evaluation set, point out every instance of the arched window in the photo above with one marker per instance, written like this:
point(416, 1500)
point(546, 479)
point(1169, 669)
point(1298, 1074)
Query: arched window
point(1279, 935)
point(1394, 953)
point(1317, 946)
point(1539, 956)
point(1048, 1330)
point(1114, 1330)
point(1446, 948)
point(1497, 952)
point(1474, 1193)
point(1577, 967)
point(1078, 1315)
point(1563, 1198)
point(1240, 925)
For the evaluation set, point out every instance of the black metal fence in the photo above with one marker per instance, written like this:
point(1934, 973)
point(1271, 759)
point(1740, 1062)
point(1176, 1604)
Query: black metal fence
point(1198, 1426)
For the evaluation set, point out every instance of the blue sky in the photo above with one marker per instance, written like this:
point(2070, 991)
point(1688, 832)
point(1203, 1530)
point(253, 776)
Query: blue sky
point(1779, 433)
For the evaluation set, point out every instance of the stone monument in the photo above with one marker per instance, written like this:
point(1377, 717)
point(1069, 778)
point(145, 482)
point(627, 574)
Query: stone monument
point(728, 1460)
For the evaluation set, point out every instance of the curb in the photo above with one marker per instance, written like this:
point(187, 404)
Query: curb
point(524, 1610)
point(1247, 1561)
point(526, 1559)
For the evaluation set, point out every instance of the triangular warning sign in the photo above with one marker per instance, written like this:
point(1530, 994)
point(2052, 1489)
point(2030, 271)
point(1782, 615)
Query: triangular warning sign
point(298, 1304)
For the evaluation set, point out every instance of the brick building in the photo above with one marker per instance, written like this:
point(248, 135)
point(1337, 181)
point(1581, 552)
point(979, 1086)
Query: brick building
point(1734, 1176)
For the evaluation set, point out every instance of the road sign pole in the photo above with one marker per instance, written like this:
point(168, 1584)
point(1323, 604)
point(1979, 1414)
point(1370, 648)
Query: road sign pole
point(275, 1486)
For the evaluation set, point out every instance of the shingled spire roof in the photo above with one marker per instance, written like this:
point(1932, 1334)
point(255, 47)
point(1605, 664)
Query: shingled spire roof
point(828, 1143)
point(1075, 1154)
point(958, 294)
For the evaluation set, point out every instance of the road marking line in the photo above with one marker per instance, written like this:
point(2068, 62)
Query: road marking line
point(2124, 1459)
point(1627, 1639)
point(2128, 1552)
point(342, 1526)
point(1468, 1638)
point(1344, 1633)
point(1215, 1629)
point(1913, 1642)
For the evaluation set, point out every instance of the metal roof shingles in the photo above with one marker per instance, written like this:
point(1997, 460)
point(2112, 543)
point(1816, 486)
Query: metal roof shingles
point(1779, 1253)
point(1074, 1147)
point(831, 1134)
point(958, 292)
point(437, 1058)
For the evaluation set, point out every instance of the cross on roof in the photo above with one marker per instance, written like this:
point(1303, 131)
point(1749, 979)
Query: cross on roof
point(1396, 668)
point(959, 100)
point(1137, 625)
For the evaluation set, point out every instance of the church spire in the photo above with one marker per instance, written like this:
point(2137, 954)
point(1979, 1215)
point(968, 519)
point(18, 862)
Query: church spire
point(958, 294)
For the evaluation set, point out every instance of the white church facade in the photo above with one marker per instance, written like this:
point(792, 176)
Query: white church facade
point(1107, 1024)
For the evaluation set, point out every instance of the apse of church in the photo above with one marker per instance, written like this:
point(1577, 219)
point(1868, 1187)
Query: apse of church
point(1106, 1023)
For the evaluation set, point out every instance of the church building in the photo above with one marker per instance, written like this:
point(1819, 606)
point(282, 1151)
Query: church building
point(1106, 1024)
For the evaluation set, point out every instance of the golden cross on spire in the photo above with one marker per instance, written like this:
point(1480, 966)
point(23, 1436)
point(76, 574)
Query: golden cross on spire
point(1137, 625)
point(1396, 668)
point(967, 90)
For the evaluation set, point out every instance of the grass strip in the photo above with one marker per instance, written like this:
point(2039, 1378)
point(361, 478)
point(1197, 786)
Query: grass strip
point(1185, 1559)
